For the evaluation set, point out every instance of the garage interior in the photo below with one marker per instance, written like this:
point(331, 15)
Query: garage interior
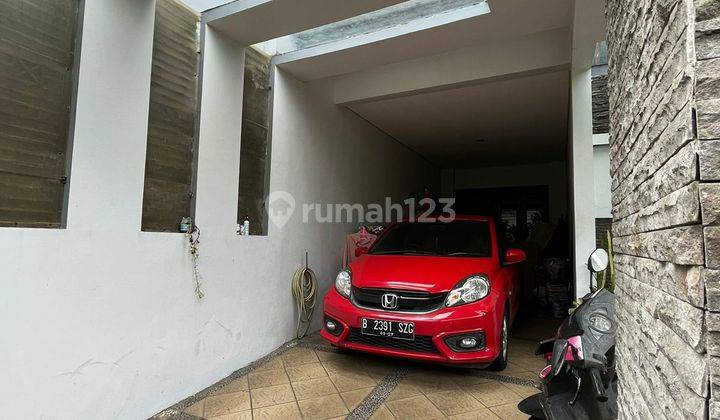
point(481, 97)
point(485, 101)
point(488, 102)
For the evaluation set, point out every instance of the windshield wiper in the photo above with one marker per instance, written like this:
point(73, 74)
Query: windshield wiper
point(465, 254)
point(403, 251)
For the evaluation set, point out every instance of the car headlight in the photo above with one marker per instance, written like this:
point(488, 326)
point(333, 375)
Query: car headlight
point(469, 290)
point(343, 282)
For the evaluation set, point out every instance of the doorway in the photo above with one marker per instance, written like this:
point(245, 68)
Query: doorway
point(517, 209)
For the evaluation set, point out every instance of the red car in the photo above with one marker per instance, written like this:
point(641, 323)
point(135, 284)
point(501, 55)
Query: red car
point(435, 291)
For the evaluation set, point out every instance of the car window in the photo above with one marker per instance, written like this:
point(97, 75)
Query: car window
point(460, 238)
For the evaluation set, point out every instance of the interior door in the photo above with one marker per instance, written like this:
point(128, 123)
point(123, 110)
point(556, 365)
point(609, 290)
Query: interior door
point(515, 209)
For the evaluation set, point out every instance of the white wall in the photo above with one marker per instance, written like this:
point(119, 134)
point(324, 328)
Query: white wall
point(99, 320)
point(601, 177)
point(538, 52)
point(552, 174)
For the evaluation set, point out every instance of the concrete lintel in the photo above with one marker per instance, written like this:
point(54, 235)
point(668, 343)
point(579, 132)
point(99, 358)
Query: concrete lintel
point(601, 139)
point(232, 8)
point(252, 21)
point(377, 36)
point(533, 54)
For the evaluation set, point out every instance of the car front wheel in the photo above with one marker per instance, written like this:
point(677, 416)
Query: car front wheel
point(501, 362)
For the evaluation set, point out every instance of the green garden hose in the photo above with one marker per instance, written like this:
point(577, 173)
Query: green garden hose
point(304, 289)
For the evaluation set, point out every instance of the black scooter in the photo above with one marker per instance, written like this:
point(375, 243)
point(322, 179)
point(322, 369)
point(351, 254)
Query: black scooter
point(580, 381)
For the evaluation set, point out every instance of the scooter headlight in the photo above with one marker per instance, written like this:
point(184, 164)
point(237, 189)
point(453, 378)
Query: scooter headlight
point(600, 322)
point(469, 290)
point(343, 282)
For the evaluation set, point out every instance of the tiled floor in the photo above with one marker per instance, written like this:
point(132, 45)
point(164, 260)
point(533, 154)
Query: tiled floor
point(310, 381)
point(307, 383)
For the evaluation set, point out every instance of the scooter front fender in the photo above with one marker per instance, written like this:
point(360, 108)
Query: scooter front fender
point(532, 406)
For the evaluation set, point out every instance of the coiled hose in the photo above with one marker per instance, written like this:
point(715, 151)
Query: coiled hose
point(304, 289)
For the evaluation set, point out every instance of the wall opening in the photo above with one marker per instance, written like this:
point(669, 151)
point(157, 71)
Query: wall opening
point(255, 142)
point(37, 64)
point(172, 134)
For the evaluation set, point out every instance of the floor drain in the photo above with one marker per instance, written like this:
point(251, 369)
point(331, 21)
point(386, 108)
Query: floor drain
point(506, 379)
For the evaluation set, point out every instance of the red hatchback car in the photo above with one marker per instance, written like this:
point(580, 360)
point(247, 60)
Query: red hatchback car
point(434, 291)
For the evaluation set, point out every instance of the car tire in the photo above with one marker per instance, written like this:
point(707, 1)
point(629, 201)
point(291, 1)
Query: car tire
point(500, 363)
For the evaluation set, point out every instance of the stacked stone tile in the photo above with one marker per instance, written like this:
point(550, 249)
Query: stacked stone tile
point(600, 104)
point(707, 102)
point(664, 89)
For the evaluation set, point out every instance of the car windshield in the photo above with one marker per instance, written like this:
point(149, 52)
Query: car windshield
point(460, 238)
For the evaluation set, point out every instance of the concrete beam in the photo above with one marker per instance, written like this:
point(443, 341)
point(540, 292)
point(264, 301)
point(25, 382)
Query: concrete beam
point(251, 21)
point(537, 53)
point(349, 44)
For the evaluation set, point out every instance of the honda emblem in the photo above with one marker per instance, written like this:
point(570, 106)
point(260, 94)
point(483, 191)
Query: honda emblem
point(389, 301)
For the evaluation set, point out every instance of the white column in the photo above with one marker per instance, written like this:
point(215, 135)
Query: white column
point(108, 158)
point(218, 174)
point(582, 181)
point(588, 29)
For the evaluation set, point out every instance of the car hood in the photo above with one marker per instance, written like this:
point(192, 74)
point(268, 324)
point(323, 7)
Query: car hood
point(420, 273)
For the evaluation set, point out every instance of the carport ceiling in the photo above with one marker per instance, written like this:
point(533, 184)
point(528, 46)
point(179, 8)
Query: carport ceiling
point(508, 19)
point(521, 120)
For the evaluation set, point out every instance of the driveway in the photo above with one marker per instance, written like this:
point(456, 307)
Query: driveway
point(309, 380)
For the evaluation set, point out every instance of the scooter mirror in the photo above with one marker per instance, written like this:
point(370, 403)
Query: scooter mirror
point(598, 260)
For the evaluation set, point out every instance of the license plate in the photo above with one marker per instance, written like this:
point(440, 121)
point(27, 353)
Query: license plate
point(392, 329)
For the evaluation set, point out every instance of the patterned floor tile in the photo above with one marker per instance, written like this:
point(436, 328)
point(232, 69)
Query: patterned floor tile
point(323, 407)
point(509, 412)
point(454, 402)
point(272, 395)
point(274, 363)
point(353, 398)
point(218, 405)
point(483, 414)
point(492, 394)
point(382, 413)
point(313, 388)
point(267, 378)
point(351, 382)
point(240, 384)
point(404, 390)
point(299, 355)
point(305, 371)
point(289, 411)
point(418, 407)
point(243, 415)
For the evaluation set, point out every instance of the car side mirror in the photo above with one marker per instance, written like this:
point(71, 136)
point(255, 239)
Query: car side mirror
point(361, 250)
point(514, 256)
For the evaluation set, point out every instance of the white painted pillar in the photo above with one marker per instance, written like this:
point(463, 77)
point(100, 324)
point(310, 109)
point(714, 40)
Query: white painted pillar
point(582, 180)
point(218, 174)
point(588, 29)
point(113, 99)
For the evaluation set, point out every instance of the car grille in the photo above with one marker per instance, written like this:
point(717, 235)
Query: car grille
point(407, 301)
point(421, 344)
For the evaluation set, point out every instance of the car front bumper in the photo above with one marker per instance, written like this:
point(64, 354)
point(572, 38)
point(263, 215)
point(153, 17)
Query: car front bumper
point(431, 330)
